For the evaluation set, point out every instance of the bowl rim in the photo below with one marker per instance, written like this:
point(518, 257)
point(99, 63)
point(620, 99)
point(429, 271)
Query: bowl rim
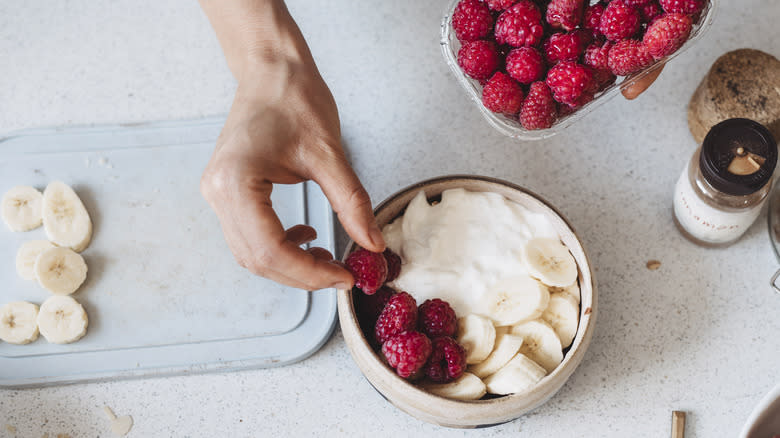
point(761, 412)
point(387, 378)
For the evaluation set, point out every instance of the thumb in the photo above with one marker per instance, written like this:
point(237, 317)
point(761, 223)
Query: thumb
point(349, 199)
point(633, 88)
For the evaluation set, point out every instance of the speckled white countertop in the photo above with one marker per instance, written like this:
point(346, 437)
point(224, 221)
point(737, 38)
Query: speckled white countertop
point(700, 334)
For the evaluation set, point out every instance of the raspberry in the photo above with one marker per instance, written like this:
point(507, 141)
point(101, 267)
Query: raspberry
point(650, 12)
point(399, 315)
point(566, 46)
point(569, 81)
point(436, 318)
point(479, 59)
point(565, 14)
point(538, 111)
point(619, 21)
point(369, 307)
point(525, 65)
point(564, 110)
point(637, 3)
point(447, 361)
point(499, 5)
point(604, 78)
point(520, 25)
point(592, 18)
point(368, 268)
point(407, 352)
point(471, 20)
point(597, 58)
point(628, 56)
point(596, 55)
point(586, 97)
point(502, 94)
point(393, 264)
point(689, 7)
point(667, 34)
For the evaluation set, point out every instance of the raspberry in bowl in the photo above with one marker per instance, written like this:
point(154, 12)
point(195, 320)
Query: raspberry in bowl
point(504, 54)
point(456, 358)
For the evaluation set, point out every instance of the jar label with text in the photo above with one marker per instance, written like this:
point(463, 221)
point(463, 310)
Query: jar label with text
point(705, 222)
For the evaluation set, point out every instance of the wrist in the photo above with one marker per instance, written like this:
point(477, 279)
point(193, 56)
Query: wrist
point(257, 35)
point(268, 58)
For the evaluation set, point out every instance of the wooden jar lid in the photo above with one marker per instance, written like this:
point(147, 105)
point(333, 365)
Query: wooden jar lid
point(743, 83)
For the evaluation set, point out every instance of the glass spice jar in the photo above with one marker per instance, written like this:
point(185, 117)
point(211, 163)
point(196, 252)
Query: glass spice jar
point(723, 187)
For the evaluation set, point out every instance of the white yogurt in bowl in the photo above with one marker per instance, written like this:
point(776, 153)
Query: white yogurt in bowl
point(457, 249)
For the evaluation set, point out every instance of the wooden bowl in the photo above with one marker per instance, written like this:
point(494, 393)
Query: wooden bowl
point(480, 413)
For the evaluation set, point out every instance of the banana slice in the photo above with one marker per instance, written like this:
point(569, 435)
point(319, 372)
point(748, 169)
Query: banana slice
point(572, 290)
point(61, 271)
point(516, 299)
point(540, 343)
point(21, 208)
point(550, 261)
point(65, 219)
point(18, 322)
point(563, 314)
point(466, 387)
point(507, 346)
point(62, 320)
point(476, 334)
point(27, 255)
point(520, 374)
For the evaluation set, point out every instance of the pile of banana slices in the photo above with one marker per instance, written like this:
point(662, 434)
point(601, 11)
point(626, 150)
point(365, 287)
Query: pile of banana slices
point(54, 263)
point(531, 320)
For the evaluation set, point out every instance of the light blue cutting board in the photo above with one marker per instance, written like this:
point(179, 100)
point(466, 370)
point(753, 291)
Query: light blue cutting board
point(164, 295)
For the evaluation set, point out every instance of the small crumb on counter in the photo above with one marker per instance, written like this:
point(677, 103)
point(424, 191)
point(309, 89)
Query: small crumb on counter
point(10, 429)
point(653, 265)
point(120, 426)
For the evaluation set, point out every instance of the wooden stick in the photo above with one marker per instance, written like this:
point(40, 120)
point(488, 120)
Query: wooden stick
point(678, 424)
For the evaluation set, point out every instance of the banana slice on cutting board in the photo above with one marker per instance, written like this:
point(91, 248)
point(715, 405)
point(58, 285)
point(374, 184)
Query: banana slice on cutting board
point(572, 290)
point(61, 271)
point(550, 261)
point(540, 343)
point(563, 314)
point(520, 374)
point(21, 208)
point(27, 255)
point(65, 218)
point(507, 346)
point(516, 299)
point(62, 320)
point(476, 334)
point(18, 322)
point(466, 387)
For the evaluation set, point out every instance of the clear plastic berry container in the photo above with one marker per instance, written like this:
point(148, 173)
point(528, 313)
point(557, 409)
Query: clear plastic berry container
point(510, 126)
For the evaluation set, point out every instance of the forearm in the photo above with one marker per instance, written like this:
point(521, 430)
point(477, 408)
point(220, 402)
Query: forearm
point(256, 35)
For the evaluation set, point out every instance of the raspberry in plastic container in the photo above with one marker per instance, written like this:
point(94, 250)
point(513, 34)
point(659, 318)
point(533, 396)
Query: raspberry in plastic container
point(510, 124)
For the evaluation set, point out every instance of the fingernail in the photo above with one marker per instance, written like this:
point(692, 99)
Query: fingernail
point(342, 286)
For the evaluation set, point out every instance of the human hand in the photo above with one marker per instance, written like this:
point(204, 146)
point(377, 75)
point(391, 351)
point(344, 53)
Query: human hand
point(283, 128)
